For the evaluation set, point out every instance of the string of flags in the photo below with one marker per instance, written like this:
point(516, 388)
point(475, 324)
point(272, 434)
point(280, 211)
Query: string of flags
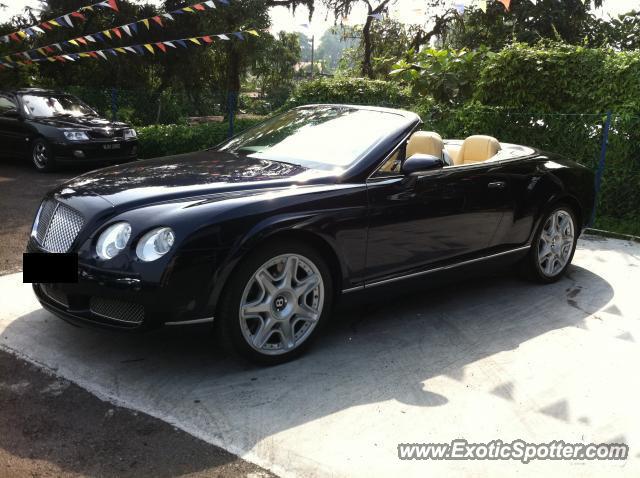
point(140, 49)
point(66, 20)
point(129, 29)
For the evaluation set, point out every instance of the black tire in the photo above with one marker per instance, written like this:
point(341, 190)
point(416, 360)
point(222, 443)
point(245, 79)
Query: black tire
point(531, 265)
point(42, 155)
point(229, 330)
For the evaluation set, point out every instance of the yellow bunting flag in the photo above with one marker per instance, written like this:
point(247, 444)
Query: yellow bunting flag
point(146, 23)
point(194, 40)
point(150, 48)
point(253, 32)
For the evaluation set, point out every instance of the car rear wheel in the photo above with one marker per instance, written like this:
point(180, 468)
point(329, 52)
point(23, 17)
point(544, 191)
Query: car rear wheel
point(42, 155)
point(276, 303)
point(553, 246)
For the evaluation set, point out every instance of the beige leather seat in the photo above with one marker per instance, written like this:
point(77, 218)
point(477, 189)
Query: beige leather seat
point(425, 142)
point(476, 149)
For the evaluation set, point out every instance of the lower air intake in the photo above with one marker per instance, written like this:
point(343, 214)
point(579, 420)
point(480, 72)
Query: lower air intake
point(117, 310)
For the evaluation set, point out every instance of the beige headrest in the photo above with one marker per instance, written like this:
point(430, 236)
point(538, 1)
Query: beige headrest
point(477, 148)
point(425, 142)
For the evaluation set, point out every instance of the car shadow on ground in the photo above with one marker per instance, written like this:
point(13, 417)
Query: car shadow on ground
point(384, 349)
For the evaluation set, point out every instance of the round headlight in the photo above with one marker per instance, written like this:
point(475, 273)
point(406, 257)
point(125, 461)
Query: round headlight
point(155, 244)
point(113, 240)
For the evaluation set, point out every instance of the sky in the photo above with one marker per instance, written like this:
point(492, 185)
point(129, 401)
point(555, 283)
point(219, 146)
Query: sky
point(282, 18)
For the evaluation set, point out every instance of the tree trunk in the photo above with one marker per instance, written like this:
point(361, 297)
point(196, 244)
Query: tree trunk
point(367, 70)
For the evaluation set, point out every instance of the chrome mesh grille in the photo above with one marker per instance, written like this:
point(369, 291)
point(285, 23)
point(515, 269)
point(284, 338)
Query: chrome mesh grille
point(117, 310)
point(58, 226)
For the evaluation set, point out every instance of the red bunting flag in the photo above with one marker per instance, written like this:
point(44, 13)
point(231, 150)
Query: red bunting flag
point(162, 47)
point(199, 6)
point(61, 21)
point(157, 19)
point(207, 39)
point(117, 31)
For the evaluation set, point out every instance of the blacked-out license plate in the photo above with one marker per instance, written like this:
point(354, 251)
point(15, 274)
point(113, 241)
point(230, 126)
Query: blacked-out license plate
point(49, 267)
point(112, 146)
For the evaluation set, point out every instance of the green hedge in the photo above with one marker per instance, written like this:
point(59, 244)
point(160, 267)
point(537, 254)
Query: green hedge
point(356, 91)
point(165, 140)
point(561, 78)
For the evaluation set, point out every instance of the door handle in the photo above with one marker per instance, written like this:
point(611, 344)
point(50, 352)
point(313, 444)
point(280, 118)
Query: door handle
point(497, 185)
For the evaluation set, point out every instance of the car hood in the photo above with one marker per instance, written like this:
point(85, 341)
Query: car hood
point(186, 175)
point(81, 122)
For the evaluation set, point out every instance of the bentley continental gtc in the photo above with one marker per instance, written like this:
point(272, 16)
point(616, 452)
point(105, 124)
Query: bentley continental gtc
point(260, 235)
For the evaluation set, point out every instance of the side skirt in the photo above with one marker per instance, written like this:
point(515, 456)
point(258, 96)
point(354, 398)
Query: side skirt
point(437, 269)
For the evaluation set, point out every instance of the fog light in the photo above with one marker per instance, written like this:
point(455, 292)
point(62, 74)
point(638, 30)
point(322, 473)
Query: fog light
point(78, 154)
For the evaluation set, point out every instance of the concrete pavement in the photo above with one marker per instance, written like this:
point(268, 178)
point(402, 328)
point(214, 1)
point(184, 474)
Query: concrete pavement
point(489, 359)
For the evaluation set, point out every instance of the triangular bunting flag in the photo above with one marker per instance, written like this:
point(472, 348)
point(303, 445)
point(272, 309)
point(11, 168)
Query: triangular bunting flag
point(161, 46)
point(157, 19)
point(150, 48)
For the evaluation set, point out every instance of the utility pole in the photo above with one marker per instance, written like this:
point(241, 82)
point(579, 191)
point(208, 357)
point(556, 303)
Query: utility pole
point(313, 40)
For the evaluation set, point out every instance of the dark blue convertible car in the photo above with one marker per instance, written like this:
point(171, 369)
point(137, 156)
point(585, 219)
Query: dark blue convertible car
point(261, 234)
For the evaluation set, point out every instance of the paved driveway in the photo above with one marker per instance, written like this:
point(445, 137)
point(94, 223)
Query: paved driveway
point(488, 359)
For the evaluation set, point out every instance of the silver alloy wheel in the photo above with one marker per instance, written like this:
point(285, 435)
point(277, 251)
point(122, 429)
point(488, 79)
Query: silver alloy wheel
point(556, 243)
point(40, 156)
point(281, 304)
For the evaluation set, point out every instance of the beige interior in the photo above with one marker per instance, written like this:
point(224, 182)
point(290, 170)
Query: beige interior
point(425, 142)
point(475, 149)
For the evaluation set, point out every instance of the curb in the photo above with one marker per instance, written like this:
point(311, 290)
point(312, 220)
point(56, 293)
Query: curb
point(612, 235)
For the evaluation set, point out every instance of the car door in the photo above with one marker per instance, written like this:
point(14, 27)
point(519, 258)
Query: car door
point(12, 129)
point(443, 215)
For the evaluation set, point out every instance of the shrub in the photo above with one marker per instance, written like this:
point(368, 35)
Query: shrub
point(164, 140)
point(561, 78)
point(358, 91)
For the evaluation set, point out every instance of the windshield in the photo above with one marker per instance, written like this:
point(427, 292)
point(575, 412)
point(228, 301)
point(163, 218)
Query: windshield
point(48, 106)
point(325, 137)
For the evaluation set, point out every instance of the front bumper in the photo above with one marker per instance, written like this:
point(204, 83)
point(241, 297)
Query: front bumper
point(128, 301)
point(96, 151)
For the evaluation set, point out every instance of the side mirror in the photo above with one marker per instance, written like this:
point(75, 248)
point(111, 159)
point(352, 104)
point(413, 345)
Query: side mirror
point(421, 162)
point(11, 113)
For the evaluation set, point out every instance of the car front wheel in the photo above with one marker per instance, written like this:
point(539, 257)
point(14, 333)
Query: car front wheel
point(554, 245)
point(42, 155)
point(276, 302)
